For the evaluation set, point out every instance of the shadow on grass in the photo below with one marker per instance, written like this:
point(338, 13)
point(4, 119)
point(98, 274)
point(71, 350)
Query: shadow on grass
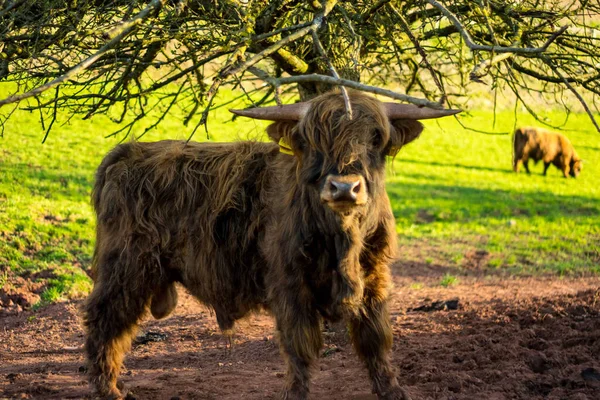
point(40, 181)
point(464, 203)
point(506, 170)
point(591, 148)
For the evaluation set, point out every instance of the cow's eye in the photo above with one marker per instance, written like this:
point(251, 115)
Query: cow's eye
point(377, 138)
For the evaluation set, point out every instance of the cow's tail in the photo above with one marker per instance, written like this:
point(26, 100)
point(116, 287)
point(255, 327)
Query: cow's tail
point(519, 140)
point(118, 154)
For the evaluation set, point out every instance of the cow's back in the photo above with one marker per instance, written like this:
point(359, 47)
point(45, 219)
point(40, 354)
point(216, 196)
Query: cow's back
point(151, 181)
point(535, 143)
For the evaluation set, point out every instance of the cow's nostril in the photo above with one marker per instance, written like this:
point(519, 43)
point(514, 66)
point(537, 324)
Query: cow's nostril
point(333, 187)
point(356, 188)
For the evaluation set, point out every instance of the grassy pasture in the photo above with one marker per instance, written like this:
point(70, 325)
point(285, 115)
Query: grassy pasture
point(456, 201)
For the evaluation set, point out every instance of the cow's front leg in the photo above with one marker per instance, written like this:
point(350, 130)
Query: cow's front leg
point(300, 340)
point(566, 166)
point(372, 335)
point(546, 166)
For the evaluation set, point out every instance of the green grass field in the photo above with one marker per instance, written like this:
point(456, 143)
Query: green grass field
point(456, 201)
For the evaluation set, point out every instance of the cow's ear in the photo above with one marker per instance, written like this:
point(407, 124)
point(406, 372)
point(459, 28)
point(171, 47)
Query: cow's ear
point(402, 132)
point(281, 129)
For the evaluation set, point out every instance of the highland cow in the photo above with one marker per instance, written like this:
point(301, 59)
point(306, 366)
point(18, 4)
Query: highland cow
point(301, 227)
point(550, 147)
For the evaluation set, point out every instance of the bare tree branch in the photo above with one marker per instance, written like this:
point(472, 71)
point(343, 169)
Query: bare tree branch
point(334, 73)
point(117, 33)
point(139, 61)
point(276, 82)
point(496, 49)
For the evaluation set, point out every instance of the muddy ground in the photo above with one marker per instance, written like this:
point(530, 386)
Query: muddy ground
point(510, 338)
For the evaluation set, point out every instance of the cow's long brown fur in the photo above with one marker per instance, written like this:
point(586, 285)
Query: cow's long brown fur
point(550, 147)
point(242, 227)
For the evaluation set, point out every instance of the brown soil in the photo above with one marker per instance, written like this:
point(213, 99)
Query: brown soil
point(526, 338)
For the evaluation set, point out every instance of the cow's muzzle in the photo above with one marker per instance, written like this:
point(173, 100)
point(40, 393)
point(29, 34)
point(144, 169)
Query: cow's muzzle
point(342, 192)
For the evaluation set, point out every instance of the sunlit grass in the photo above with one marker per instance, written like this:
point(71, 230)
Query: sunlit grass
point(449, 280)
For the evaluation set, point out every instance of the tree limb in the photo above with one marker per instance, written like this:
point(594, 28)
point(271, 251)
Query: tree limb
point(117, 33)
point(495, 49)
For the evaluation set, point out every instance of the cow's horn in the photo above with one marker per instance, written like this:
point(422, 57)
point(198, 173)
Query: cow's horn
point(410, 111)
point(286, 112)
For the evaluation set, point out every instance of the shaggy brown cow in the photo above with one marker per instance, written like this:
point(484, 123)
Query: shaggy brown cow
point(245, 226)
point(550, 147)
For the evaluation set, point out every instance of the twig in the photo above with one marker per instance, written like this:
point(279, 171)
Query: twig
point(496, 49)
point(316, 23)
point(163, 115)
point(210, 96)
point(267, 35)
point(479, 130)
point(417, 45)
point(371, 11)
point(321, 50)
point(54, 110)
point(117, 34)
point(573, 90)
point(482, 68)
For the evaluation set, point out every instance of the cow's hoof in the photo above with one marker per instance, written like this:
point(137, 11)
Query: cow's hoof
point(121, 394)
point(396, 393)
point(294, 395)
point(109, 396)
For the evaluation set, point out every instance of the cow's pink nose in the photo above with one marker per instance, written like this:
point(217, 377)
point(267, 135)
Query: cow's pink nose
point(347, 189)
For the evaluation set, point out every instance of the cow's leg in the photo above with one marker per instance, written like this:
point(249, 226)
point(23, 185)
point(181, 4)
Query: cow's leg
point(516, 165)
point(546, 165)
point(300, 340)
point(526, 165)
point(112, 311)
point(372, 336)
point(226, 323)
point(566, 166)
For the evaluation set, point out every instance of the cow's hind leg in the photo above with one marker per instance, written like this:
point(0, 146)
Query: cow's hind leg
point(112, 311)
point(371, 334)
point(526, 165)
point(516, 165)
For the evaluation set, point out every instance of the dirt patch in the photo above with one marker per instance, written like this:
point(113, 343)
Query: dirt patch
point(17, 294)
point(527, 338)
point(476, 259)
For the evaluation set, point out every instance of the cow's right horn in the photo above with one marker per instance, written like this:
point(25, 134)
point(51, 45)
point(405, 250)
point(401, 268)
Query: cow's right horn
point(410, 111)
point(286, 112)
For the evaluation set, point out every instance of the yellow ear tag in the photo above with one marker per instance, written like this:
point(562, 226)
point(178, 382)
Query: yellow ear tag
point(284, 147)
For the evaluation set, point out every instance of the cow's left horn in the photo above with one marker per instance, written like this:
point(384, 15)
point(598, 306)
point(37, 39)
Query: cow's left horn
point(410, 111)
point(286, 112)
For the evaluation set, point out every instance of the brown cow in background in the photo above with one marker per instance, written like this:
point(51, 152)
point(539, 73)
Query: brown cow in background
point(550, 147)
point(245, 226)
